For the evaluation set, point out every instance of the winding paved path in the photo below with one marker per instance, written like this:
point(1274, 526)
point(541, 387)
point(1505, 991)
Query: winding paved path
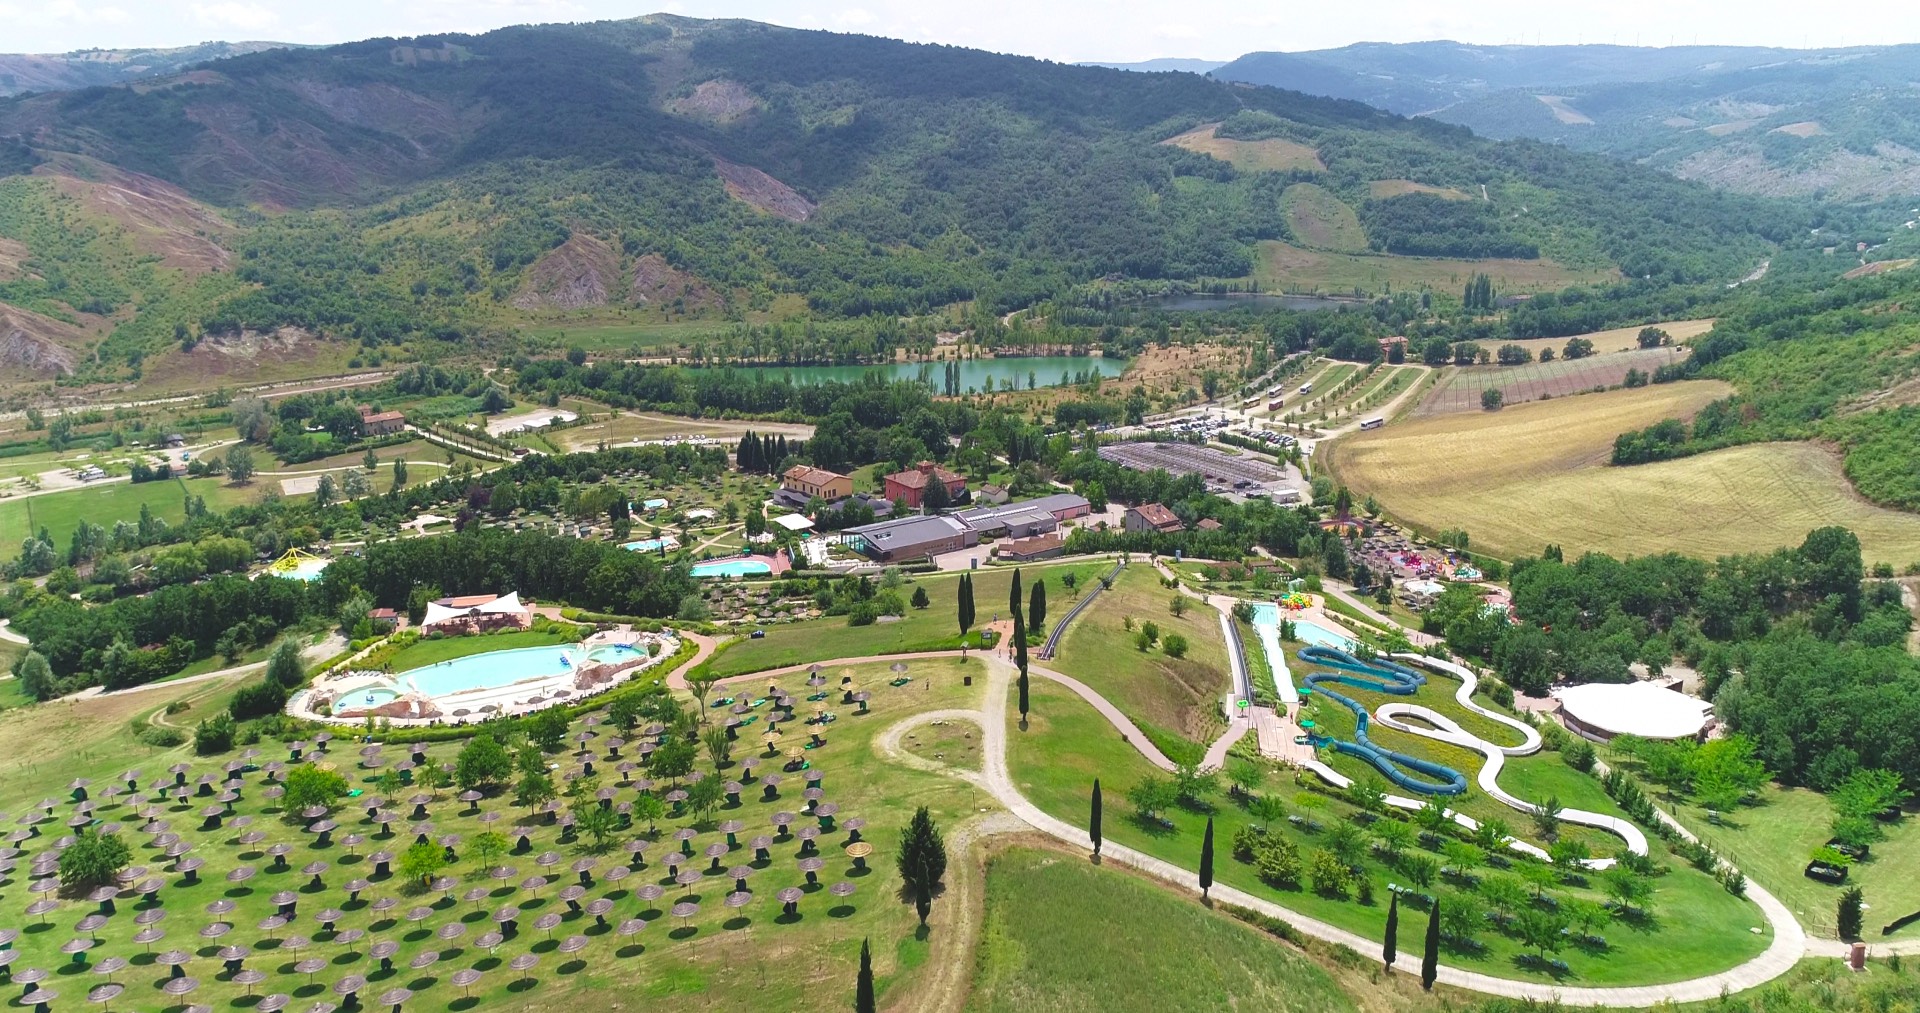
point(10, 636)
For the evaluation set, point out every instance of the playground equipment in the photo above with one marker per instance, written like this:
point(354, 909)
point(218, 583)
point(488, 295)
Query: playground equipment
point(291, 562)
point(1294, 600)
point(1381, 677)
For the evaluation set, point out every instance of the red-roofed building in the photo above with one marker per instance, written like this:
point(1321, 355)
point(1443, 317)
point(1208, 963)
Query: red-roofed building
point(1152, 517)
point(374, 423)
point(911, 485)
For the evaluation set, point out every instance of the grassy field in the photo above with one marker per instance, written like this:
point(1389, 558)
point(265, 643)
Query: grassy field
point(1384, 188)
point(60, 512)
point(954, 743)
point(1696, 927)
point(1152, 951)
point(1320, 220)
point(1459, 389)
point(1271, 155)
point(1282, 267)
point(749, 958)
point(935, 627)
point(1537, 473)
point(1175, 701)
point(1618, 339)
point(1771, 841)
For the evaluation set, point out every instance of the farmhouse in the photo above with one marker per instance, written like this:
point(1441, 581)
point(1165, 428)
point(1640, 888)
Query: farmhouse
point(1387, 345)
point(374, 423)
point(911, 485)
point(1152, 517)
point(805, 483)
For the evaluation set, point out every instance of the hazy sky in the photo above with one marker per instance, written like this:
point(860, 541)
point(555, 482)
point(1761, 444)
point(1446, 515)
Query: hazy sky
point(1118, 30)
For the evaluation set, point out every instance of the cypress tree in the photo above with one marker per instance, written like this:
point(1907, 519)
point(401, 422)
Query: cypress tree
point(1093, 822)
point(1390, 949)
point(1037, 607)
point(1430, 960)
point(966, 603)
point(863, 989)
point(1206, 860)
point(1013, 595)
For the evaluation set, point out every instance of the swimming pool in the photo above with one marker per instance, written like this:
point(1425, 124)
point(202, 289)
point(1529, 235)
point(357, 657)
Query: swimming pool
point(306, 569)
point(737, 567)
point(373, 696)
point(661, 544)
point(494, 668)
point(1306, 632)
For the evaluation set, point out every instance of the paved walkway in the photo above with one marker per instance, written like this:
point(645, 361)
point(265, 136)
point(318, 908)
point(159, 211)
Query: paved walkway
point(10, 636)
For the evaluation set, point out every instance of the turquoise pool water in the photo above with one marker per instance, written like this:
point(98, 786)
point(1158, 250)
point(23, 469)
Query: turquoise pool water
point(652, 544)
point(306, 569)
point(614, 653)
point(494, 668)
point(731, 567)
point(1309, 633)
point(371, 698)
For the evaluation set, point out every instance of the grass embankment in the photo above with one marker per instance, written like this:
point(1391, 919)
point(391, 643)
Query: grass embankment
point(1537, 473)
point(1696, 927)
point(746, 959)
point(1063, 934)
point(1175, 701)
point(934, 628)
point(1320, 220)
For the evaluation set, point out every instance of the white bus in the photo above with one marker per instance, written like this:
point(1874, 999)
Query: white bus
point(1374, 423)
point(1306, 388)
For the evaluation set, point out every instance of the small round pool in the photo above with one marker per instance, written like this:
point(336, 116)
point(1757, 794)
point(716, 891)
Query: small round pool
point(740, 566)
point(373, 696)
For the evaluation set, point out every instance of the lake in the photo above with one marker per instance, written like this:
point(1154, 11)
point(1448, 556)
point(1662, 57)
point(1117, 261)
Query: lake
point(1201, 301)
point(978, 374)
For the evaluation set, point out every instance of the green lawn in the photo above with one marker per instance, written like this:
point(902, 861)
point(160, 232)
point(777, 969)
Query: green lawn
point(1697, 927)
point(932, 628)
point(745, 959)
point(60, 512)
point(1063, 934)
point(1770, 842)
point(1176, 701)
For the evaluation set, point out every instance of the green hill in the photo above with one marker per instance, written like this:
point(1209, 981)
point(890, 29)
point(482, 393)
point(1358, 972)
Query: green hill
point(445, 188)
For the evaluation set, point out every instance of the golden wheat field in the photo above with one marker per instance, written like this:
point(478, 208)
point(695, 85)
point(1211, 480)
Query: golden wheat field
point(1534, 474)
point(1618, 339)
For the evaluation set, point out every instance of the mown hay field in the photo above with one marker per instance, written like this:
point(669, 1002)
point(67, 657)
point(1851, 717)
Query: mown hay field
point(1534, 474)
point(1321, 220)
point(1617, 339)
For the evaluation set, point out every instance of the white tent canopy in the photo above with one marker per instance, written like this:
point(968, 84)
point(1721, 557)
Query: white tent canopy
point(508, 604)
point(1635, 708)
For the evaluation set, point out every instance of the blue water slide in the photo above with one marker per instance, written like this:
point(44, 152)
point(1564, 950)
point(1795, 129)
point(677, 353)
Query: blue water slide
point(1379, 676)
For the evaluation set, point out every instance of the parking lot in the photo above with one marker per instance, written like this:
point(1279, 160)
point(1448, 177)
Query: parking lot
point(1223, 472)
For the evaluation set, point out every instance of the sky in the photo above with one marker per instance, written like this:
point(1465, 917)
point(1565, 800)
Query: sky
point(1065, 30)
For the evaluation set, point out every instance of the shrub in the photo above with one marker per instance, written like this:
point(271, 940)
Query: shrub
point(1175, 645)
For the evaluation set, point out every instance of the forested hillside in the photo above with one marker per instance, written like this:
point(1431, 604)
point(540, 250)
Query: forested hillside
point(439, 189)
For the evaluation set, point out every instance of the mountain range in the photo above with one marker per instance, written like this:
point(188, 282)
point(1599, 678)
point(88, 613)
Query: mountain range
point(22, 72)
point(1839, 123)
point(408, 195)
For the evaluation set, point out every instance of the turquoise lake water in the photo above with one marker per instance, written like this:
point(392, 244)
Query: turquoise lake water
point(979, 374)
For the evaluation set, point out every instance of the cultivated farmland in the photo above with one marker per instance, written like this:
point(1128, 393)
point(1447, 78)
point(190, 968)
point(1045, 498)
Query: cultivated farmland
point(1618, 339)
point(1538, 474)
point(1459, 390)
